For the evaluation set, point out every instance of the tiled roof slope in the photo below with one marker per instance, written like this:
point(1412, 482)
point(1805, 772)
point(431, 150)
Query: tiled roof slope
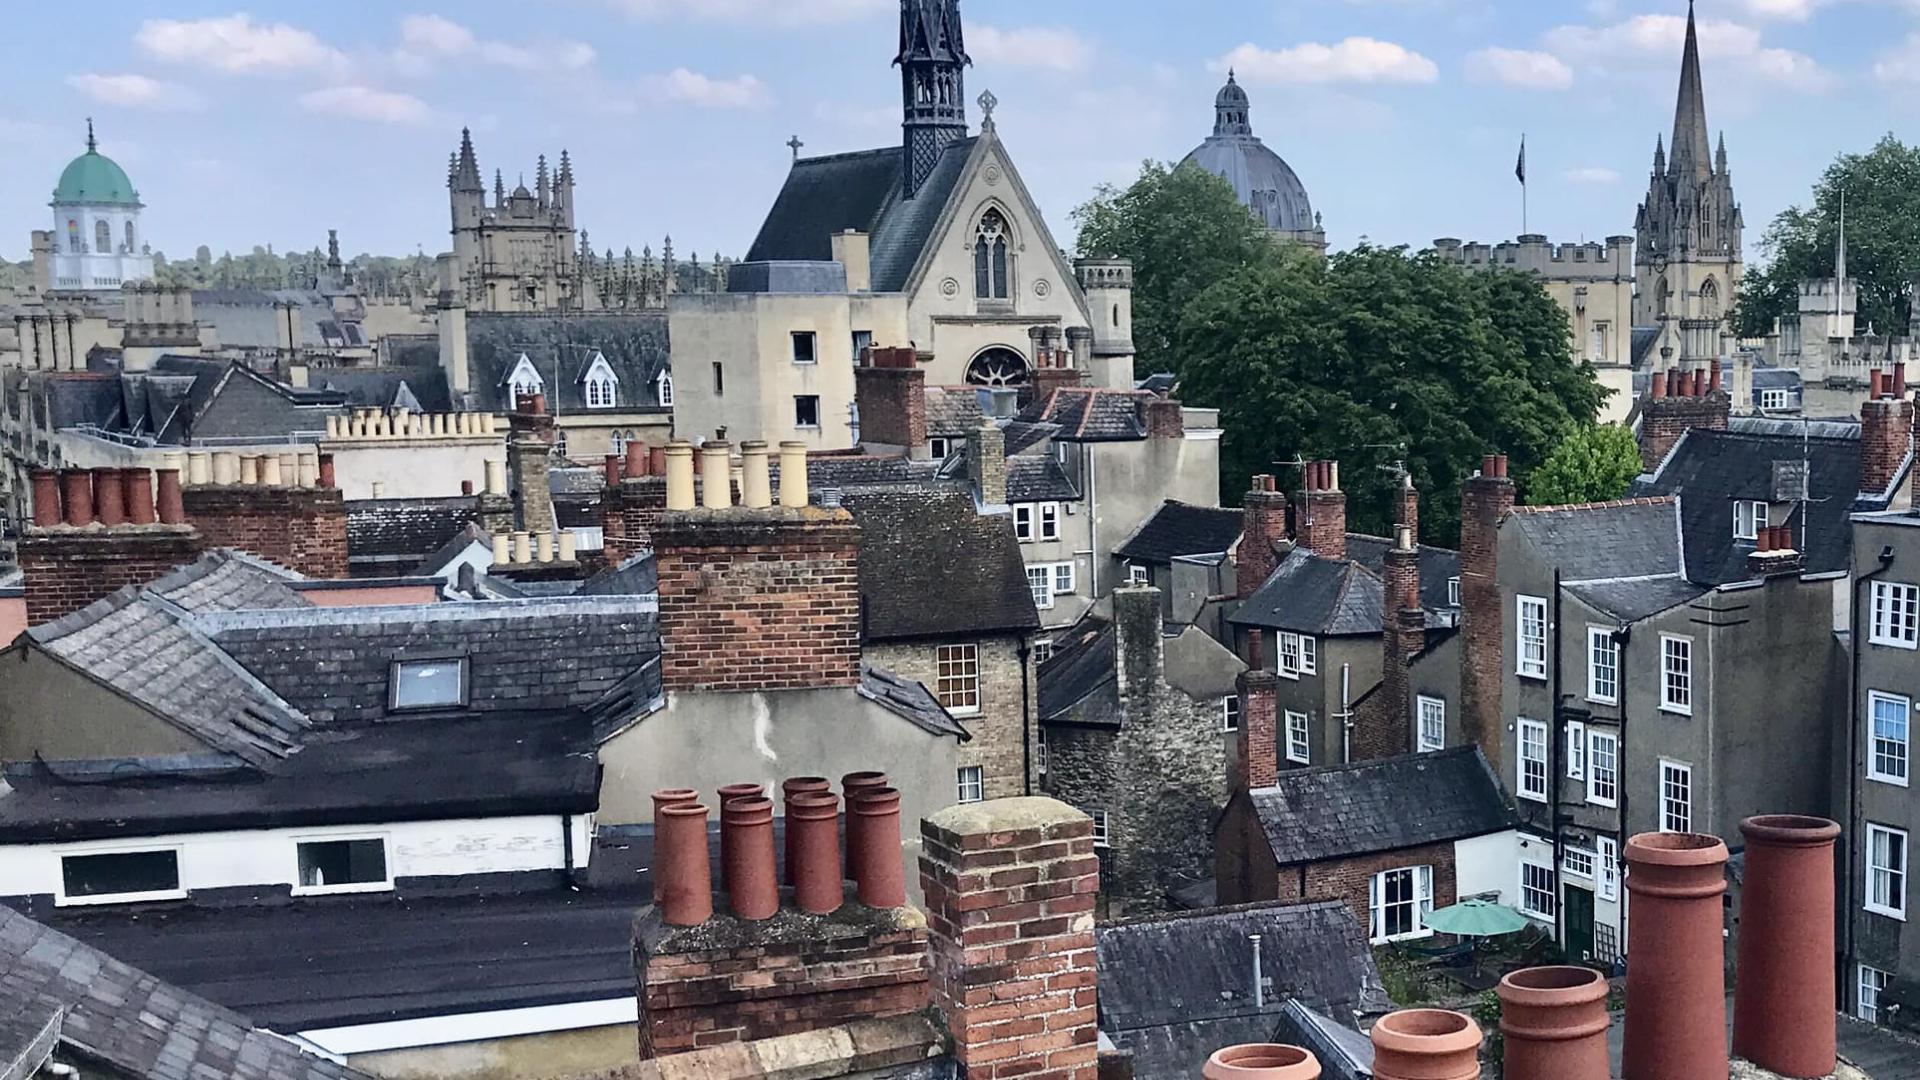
point(226, 580)
point(405, 527)
point(930, 565)
point(147, 653)
point(1179, 528)
point(1339, 811)
point(138, 1025)
point(1437, 566)
point(1311, 595)
point(1072, 674)
point(1174, 989)
point(1091, 414)
point(1601, 541)
point(1038, 478)
point(953, 411)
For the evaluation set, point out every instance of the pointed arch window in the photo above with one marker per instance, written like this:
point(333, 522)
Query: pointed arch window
point(990, 258)
point(1660, 295)
point(1709, 300)
point(130, 245)
point(102, 237)
point(602, 386)
point(665, 385)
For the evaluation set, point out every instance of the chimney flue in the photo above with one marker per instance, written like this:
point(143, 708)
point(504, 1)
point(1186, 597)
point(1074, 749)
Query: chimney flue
point(756, 484)
point(716, 475)
point(171, 505)
point(77, 487)
point(137, 486)
point(880, 872)
point(1260, 1061)
point(683, 870)
point(1555, 1023)
point(1676, 986)
point(793, 474)
point(46, 498)
point(813, 848)
point(1427, 1044)
point(1783, 1001)
point(109, 498)
point(746, 826)
point(637, 459)
point(679, 476)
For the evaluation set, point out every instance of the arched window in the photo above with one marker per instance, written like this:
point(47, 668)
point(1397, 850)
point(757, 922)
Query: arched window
point(131, 248)
point(102, 237)
point(1660, 294)
point(998, 367)
point(666, 387)
point(73, 237)
point(1709, 300)
point(990, 258)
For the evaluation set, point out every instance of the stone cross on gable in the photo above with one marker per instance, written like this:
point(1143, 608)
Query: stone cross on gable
point(987, 103)
point(795, 144)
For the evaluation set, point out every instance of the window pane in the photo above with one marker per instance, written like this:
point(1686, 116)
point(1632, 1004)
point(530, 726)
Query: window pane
point(120, 872)
point(342, 862)
point(1888, 760)
point(423, 684)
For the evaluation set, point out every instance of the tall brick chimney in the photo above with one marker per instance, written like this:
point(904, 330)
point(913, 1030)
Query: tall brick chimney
point(529, 456)
point(255, 504)
point(1678, 402)
point(757, 598)
point(1010, 887)
point(1163, 418)
point(69, 559)
point(1321, 521)
point(1886, 433)
point(1053, 367)
point(1485, 500)
point(1406, 508)
point(1256, 759)
point(632, 507)
point(890, 392)
point(1263, 527)
point(1385, 728)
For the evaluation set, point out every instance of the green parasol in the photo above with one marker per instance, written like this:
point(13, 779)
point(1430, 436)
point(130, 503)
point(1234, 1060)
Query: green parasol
point(1476, 918)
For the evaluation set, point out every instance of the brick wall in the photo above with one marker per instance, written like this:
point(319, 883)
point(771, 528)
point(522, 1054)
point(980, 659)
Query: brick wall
point(1322, 523)
point(1256, 761)
point(1663, 420)
point(1406, 506)
point(1163, 418)
point(892, 400)
point(1383, 722)
point(1484, 501)
point(1886, 435)
point(629, 512)
point(1009, 888)
point(759, 599)
point(729, 980)
point(302, 529)
point(66, 568)
point(1263, 525)
point(1350, 880)
point(1001, 725)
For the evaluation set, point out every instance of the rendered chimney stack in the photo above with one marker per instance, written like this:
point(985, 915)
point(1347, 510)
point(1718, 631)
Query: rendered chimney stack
point(1555, 1022)
point(1261, 1061)
point(1783, 1001)
point(1428, 1044)
point(1676, 988)
point(1263, 527)
point(1321, 523)
point(1256, 761)
point(1886, 439)
point(680, 476)
point(1485, 501)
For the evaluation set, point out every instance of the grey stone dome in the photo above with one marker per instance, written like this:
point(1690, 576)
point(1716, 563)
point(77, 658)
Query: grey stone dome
point(1264, 182)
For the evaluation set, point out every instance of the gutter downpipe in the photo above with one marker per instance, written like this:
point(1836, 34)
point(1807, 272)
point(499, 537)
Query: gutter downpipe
point(1026, 718)
point(1556, 769)
point(1854, 768)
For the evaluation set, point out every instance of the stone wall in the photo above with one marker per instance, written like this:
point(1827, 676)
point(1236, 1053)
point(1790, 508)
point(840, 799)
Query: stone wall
point(1005, 736)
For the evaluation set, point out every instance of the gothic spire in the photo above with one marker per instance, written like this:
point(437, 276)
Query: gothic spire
point(1660, 155)
point(1691, 139)
point(466, 170)
point(932, 61)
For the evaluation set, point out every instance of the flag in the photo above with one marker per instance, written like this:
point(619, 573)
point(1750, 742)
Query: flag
point(1520, 167)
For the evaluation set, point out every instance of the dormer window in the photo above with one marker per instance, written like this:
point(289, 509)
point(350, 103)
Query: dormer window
point(603, 386)
point(524, 379)
point(663, 384)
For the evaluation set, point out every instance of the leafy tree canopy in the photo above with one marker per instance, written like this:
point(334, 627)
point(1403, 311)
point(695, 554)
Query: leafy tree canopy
point(1596, 464)
point(1882, 192)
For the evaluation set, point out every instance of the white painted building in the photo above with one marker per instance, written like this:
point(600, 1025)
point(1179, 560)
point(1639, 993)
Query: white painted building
point(96, 241)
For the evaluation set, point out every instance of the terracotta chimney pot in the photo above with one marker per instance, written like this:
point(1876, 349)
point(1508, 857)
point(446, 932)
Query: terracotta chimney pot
point(1555, 1022)
point(1713, 378)
point(1261, 1061)
point(727, 794)
point(46, 498)
point(1676, 986)
point(109, 497)
point(77, 487)
point(1876, 388)
point(1657, 387)
point(610, 469)
point(326, 472)
point(682, 870)
point(137, 484)
point(1899, 388)
point(637, 458)
point(879, 869)
point(851, 785)
point(171, 508)
point(657, 460)
point(799, 785)
point(1783, 1001)
point(1426, 1044)
point(813, 851)
point(746, 834)
point(662, 799)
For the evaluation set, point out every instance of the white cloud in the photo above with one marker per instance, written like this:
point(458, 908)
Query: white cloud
point(1591, 175)
point(1519, 67)
point(693, 88)
point(235, 43)
point(783, 12)
point(1656, 40)
point(133, 91)
point(1052, 47)
point(426, 38)
point(1786, 10)
point(1902, 65)
point(366, 103)
point(1355, 60)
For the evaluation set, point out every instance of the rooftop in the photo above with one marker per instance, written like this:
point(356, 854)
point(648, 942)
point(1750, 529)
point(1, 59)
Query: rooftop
point(1179, 528)
point(922, 543)
point(1339, 811)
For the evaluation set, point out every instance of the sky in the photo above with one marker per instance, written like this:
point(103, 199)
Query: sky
point(272, 123)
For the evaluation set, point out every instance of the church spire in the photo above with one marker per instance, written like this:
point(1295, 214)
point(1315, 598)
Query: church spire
point(932, 60)
point(1691, 140)
point(466, 170)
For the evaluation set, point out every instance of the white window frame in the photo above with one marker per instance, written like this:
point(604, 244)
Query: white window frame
point(1042, 650)
point(964, 655)
point(1551, 891)
point(1023, 522)
point(1749, 517)
point(1902, 750)
point(1102, 826)
point(1579, 862)
point(523, 379)
point(970, 784)
point(819, 421)
point(1040, 585)
point(1603, 779)
point(1575, 750)
point(1530, 649)
point(1296, 654)
point(1774, 398)
point(1420, 881)
point(1064, 579)
point(386, 858)
point(1606, 857)
point(1525, 785)
point(1671, 771)
point(1139, 574)
point(603, 386)
point(1888, 879)
point(1309, 655)
point(1230, 713)
point(663, 387)
point(1896, 615)
point(1430, 724)
point(397, 668)
point(1299, 738)
point(938, 447)
point(1047, 521)
point(1603, 666)
point(1869, 983)
point(1676, 647)
point(62, 899)
point(1453, 592)
point(1040, 751)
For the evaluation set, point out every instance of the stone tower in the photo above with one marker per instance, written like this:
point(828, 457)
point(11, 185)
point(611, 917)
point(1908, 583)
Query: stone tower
point(517, 253)
point(933, 58)
point(1687, 236)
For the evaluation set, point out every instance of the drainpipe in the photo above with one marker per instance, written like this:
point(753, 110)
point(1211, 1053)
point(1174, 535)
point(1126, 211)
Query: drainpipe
point(1259, 992)
point(1854, 766)
point(1556, 772)
point(1623, 637)
point(1026, 719)
point(1093, 518)
point(1346, 714)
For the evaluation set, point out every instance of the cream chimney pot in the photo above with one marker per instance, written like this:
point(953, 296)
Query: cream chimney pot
point(543, 547)
point(522, 548)
point(501, 554)
point(496, 478)
point(793, 474)
point(716, 476)
point(270, 470)
point(250, 469)
point(756, 486)
point(569, 547)
point(679, 475)
point(199, 468)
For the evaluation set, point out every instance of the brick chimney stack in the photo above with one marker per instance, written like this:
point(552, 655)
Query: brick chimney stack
point(69, 557)
point(1677, 402)
point(274, 506)
point(529, 457)
point(1774, 553)
point(1054, 367)
point(1407, 506)
point(890, 392)
point(1010, 887)
point(1256, 759)
point(1263, 528)
point(756, 598)
point(1385, 728)
point(1163, 418)
point(1321, 522)
point(631, 508)
point(1485, 500)
point(1886, 431)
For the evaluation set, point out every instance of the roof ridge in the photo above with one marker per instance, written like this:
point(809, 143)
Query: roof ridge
point(1609, 504)
point(1376, 763)
point(73, 621)
point(1223, 909)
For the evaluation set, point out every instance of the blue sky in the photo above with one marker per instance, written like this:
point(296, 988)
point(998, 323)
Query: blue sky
point(272, 123)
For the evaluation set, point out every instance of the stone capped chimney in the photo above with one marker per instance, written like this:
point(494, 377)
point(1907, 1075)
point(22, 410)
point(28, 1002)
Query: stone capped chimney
point(68, 559)
point(1485, 500)
point(987, 463)
point(1263, 527)
point(255, 503)
point(890, 392)
point(1774, 553)
point(1886, 435)
point(529, 457)
point(1054, 367)
point(1678, 402)
point(1320, 523)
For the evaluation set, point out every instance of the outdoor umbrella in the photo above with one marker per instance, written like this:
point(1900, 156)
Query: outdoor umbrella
point(1476, 918)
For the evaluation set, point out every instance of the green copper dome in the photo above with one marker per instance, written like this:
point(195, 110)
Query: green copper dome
point(95, 179)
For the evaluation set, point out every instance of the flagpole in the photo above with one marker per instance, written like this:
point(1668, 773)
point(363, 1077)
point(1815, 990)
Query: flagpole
point(1523, 184)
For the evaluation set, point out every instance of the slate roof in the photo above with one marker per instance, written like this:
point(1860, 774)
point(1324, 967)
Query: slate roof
point(137, 1024)
point(150, 653)
point(1343, 1053)
point(1175, 988)
point(1630, 538)
point(919, 544)
point(562, 347)
point(1636, 598)
point(227, 580)
point(1311, 595)
point(1340, 811)
point(1437, 566)
point(1710, 469)
point(252, 318)
point(1179, 528)
point(1073, 674)
point(1024, 435)
point(852, 471)
point(860, 190)
point(909, 699)
point(1038, 478)
point(420, 387)
point(405, 530)
point(952, 411)
point(1091, 414)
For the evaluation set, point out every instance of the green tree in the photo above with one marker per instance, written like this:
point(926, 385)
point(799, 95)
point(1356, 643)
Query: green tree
point(1882, 193)
point(1596, 464)
point(1184, 230)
